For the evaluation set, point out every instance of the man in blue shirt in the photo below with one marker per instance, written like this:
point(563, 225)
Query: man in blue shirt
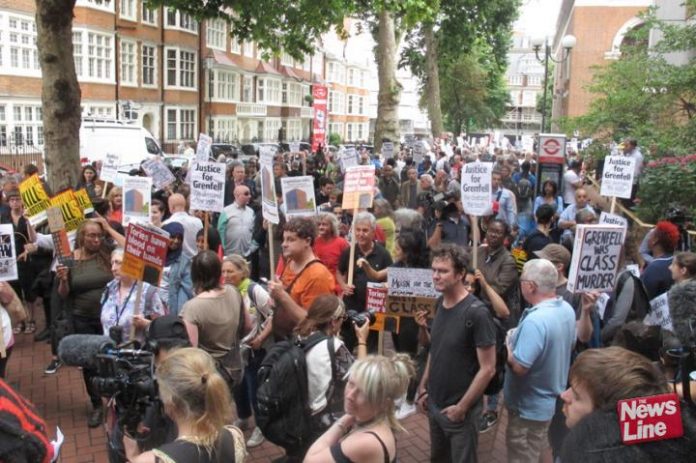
point(539, 353)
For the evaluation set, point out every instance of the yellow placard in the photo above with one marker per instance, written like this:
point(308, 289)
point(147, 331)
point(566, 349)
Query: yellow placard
point(409, 306)
point(384, 322)
point(84, 201)
point(71, 210)
point(35, 199)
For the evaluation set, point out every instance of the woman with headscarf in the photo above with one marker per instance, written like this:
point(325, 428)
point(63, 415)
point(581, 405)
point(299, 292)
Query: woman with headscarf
point(176, 287)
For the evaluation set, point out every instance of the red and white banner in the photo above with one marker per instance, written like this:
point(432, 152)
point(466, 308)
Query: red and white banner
point(646, 419)
point(320, 96)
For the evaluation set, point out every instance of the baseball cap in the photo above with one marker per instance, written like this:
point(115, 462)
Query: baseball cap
point(556, 253)
point(168, 327)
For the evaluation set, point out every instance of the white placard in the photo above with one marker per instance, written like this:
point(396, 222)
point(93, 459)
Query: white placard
point(269, 202)
point(295, 146)
point(109, 168)
point(298, 196)
point(349, 158)
point(617, 177)
point(388, 150)
point(418, 152)
point(477, 188)
point(203, 147)
point(416, 282)
point(137, 192)
point(207, 186)
point(612, 219)
point(601, 304)
point(161, 175)
point(634, 269)
point(659, 313)
point(595, 258)
point(8, 259)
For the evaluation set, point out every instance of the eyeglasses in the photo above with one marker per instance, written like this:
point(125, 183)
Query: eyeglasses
point(94, 236)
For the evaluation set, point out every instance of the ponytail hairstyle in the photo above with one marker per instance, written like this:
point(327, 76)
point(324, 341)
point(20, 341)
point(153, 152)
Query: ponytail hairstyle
point(193, 391)
point(383, 380)
point(323, 311)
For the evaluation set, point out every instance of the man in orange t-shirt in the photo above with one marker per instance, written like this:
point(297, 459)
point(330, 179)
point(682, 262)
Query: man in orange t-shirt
point(303, 278)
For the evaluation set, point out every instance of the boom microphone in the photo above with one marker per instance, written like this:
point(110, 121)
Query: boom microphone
point(682, 309)
point(80, 350)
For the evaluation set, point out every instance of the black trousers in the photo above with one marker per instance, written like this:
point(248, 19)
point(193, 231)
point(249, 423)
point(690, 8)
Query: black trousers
point(85, 325)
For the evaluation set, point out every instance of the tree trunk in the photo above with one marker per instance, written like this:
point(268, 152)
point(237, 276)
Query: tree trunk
point(387, 125)
point(60, 92)
point(432, 81)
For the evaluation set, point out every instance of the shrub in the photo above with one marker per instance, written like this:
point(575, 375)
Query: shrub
point(666, 181)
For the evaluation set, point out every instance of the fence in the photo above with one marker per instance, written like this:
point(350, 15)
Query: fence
point(17, 156)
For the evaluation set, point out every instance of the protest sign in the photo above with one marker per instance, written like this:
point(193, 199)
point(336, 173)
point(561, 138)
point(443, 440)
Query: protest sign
point(269, 202)
point(160, 174)
point(298, 196)
point(83, 199)
point(659, 313)
point(35, 199)
point(8, 259)
point(601, 304)
point(70, 209)
point(613, 219)
point(418, 151)
point(477, 188)
point(411, 282)
point(61, 243)
point(109, 168)
point(595, 258)
point(388, 150)
point(294, 146)
point(409, 306)
point(647, 419)
point(349, 158)
point(207, 186)
point(137, 193)
point(358, 187)
point(203, 147)
point(145, 253)
point(617, 176)
point(376, 297)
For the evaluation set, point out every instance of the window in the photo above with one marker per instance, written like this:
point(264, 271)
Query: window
point(127, 10)
point(336, 102)
point(307, 63)
point(247, 89)
point(362, 78)
point(98, 110)
point(529, 98)
point(349, 132)
point(225, 86)
point(224, 129)
point(149, 65)
point(77, 52)
point(305, 92)
point(361, 105)
point(336, 72)
point(248, 49)
point(216, 33)
point(336, 127)
point(181, 124)
point(292, 94)
point(179, 20)
point(3, 127)
point(181, 68)
point(351, 107)
point(235, 46)
point(25, 127)
point(128, 59)
point(107, 5)
point(351, 77)
point(286, 59)
point(293, 129)
point(268, 91)
point(99, 56)
point(22, 44)
point(271, 128)
point(148, 16)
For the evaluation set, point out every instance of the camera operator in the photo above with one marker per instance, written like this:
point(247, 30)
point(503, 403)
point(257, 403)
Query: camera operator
point(164, 335)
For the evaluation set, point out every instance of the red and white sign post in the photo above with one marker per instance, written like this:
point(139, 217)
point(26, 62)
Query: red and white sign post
point(552, 147)
point(320, 96)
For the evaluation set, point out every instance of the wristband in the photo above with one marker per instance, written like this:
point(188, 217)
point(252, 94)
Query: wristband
point(362, 344)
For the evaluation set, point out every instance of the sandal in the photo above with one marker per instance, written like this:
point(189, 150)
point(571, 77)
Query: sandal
point(19, 329)
point(30, 328)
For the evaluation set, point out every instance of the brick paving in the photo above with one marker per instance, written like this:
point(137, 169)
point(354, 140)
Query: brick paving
point(62, 400)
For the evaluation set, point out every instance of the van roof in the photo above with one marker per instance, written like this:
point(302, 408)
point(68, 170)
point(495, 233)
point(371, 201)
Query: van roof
point(104, 121)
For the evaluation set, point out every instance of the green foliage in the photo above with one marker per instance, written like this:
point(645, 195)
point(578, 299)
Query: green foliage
point(653, 194)
point(334, 139)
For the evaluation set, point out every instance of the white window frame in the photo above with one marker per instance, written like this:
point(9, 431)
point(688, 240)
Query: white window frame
point(225, 86)
point(269, 91)
point(286, 59)
point(248, 49)
point(154, 64)
point(178, 69)
point(128, 9)
point(103, 5)
point(235, 45)
point(99, 110)
point(293, 129)
point(128, 61)
point(216, 34)
point(271, 126)
point(336, 127)
point(182, 133)
point(147, 16)
point(182, 22)
point(29, 124)
point(225, 129)
point(25, 51)
point(248, 87)
point(109, 65)
point(78, 52)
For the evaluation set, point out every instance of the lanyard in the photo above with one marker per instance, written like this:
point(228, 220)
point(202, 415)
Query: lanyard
point(125, 303)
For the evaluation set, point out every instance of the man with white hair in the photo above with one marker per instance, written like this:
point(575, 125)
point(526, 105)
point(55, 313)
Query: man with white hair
point(539, 353)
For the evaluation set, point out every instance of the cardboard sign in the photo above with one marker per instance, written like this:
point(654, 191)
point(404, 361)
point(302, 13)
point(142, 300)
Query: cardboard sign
point(617, 177)
point(61, 243)
point(376, 297)
point(137, 197)
point(70, 209)
point(35, 199)
point(552, 148)
point(477, 188)
point(82, 198)
point(418, 152)
point(595, 258)
point(8, 259)
point(203, 147)
point(298, 196)
point(145, 253)
point(349, 158)
point(161, 175)
point(647, 419)
point(269, 202)
point(388, 150)
point(613, 219)
point(358, 187)
point(409, 306)
point(659, 313)
point(411, 282)
point(207, 186)
point(109, 168)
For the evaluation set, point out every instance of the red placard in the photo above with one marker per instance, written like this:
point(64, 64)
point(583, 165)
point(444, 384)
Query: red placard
point(145, 253)
point(320, 95)
point(647, 419)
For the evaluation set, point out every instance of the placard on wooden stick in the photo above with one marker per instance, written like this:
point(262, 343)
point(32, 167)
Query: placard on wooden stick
point(595, 259)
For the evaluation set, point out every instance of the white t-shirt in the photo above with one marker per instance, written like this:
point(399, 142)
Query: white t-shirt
point(319, 372)
point(569, 178)
point(6, 327)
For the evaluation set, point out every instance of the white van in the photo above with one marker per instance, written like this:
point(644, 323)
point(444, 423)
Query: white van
point(131, 142)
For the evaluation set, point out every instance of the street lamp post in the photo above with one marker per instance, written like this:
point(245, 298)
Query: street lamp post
point(567, 42)
point(209, 63)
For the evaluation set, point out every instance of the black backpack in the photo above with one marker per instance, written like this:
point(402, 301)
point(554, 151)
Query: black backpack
point(284, 416)
point(501, 353)
point(22, 431)
point(524, 189)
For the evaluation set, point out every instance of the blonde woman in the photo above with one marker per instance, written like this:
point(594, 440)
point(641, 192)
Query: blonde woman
point(365, 433)
point(197, 399)
point(115, 198)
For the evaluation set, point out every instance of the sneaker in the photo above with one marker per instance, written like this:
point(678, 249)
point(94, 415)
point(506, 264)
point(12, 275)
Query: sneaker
point(96, 417)
point(53, 366)
point(256, 438)
point(405, 410)
point(487, 421)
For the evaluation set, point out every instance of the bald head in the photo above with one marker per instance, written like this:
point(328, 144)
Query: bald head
point(177, 203)
point(242, 195)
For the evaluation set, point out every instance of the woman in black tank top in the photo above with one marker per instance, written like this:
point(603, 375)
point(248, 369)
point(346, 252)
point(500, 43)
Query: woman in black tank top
point(197, 398)
point(365, 434)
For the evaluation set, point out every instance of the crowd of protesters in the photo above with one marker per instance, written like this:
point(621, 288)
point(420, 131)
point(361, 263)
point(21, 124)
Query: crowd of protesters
point(561, 373)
